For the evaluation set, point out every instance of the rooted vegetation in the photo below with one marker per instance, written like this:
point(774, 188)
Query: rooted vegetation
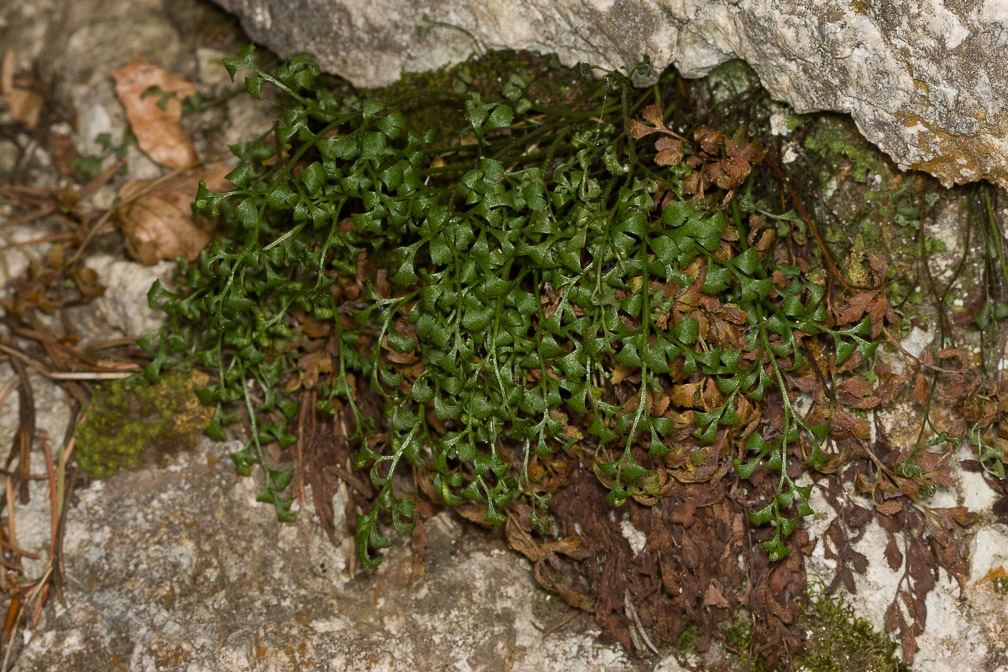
point(564, 304)
point(571, 307)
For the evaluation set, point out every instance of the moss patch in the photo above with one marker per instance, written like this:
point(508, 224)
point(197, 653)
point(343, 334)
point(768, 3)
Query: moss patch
point(863, 202)
point(521, 77)
point(127, 417)
point(837, 639)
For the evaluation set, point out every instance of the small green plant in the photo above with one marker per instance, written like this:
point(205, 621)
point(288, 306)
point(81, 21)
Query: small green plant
point(91, 166)
point(550, 286)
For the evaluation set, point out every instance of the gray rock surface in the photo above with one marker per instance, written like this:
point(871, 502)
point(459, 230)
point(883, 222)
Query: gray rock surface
point(181, 569)
point(178, 569)
point(124, 306)
point(925, 81)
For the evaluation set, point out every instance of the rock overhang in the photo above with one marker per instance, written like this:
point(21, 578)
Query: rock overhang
point(922, 80)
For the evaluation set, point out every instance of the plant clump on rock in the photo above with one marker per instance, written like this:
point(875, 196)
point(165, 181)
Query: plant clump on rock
point(557, 310)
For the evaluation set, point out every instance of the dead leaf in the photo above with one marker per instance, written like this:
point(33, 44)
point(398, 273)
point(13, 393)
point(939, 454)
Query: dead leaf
point(653, 114)
point(954, 514)
point(843, 424)
point(312, 365)
point(893, 618)
point(154, 118)
point(957, 429)
point(889, 507)
point(954, 353)
point(158, 224)
point(863, 483)
point(853, 308)
point(670, 151)
point(920, 392)
point(660, 404)
point(639, 130)
point(687, 395)
point(63, 152)
point(878, 308)
point(24, 104)
point(709, 139)
point(858, 387)
point(620, 374)
point(878, 262)
point(714, 597)
point(893, 556)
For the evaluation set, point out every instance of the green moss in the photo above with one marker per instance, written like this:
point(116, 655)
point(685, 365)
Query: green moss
point(832, 141)
point(523, 78)
point(796, 121)
point(868, 204)
point(687, 640)
point(838, 640)
point(127, 417)
point(731, 79)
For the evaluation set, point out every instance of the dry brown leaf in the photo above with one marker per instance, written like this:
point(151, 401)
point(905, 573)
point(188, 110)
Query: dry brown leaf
point(878, 309)
point(893, 618)
point(157, 130)
point(670, 151)
point(958, 514)
point(157, 221)
point(714, 597)
point(954, 353)
point(889, 507)
point(661, 405)
point(920, 392)
point(854, 308)
point(857, 387)
point(893, 556)
point(620, 374)
point(843, 424)
point(315, 329)
point(686, 395)
point(312, 365)
point(639, 130)
point(24, 104)
point(863, 483)
point(63, 152)
point(653, 113)
point(779, 279)
point(878, 263)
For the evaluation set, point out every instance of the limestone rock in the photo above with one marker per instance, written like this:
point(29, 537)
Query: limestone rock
point(124, 305)
point(923, 80)
point(181, 569)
